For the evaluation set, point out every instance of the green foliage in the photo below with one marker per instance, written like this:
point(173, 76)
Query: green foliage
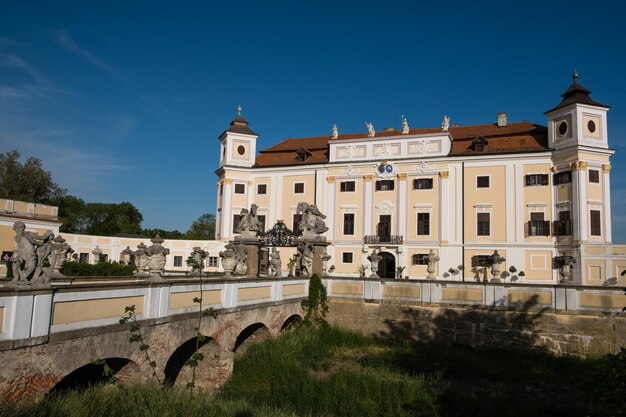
point(130, 320)
point(165, 234)
point(316, 372)
point(102, 269)
point(27, 181)
point(609, 384)
point(107, 371)
point(203, 228)
point(103, 219)
point(137, 401)
point(316, 304)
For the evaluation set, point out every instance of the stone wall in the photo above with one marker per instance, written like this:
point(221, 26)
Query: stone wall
point(530, 325)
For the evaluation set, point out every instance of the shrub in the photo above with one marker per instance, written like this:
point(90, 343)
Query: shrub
point(102, 269)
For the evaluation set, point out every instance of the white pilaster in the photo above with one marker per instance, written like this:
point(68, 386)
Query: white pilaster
point(368, 203)
point(581, 174)
point(227, 220)
point(606, 199)
point(272, 213)
point(402, 205)
point(518, 208)
point(330, 208)
point(249, 194)
point(444, 207)
point(511, 210)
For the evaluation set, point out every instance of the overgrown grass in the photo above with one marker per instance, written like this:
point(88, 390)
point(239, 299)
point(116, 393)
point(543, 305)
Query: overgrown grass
point(306, 371)
point(330, 372)
point(138, 401)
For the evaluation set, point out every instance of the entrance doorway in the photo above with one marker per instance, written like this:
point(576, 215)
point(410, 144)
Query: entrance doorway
point(387, 265)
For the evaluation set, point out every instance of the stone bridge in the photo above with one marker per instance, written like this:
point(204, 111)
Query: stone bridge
point(50, 336)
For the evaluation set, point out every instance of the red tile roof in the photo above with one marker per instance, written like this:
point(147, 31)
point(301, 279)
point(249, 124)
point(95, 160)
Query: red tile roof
point(513, 138)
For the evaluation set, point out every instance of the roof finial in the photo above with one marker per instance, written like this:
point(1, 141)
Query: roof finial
point(575, 77)
point(239, 110)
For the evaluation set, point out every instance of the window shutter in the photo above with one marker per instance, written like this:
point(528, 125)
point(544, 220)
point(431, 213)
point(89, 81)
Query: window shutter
point(527, 180)
point(544, 179)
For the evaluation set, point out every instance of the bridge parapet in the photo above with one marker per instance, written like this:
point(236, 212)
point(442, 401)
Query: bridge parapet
point(489, 294)
point(31, 313)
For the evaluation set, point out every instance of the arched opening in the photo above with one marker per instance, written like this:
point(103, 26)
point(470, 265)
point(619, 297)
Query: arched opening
point(291, 322)
point(92, 374)
point(387, 266)
point(256, 332)
point(177, 360)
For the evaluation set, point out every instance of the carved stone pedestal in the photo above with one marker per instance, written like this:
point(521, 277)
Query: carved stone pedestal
point(254, 251)
point(320, 249)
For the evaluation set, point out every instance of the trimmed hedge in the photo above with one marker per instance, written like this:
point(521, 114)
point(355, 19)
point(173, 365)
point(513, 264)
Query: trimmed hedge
point(102, 269)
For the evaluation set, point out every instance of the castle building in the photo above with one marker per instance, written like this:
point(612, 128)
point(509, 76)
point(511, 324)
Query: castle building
point(534, 193)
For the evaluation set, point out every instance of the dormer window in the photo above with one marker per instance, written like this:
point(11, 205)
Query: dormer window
point(479, 144)
point(303, 155)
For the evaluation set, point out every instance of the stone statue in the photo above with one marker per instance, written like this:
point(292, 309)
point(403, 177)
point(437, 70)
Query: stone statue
point(127, 255)
point(275, 264)
point(432, 265)
point(306, 259)
point(141, 259)
point(43, 273)
point(312, 224)
point(445, 125)
point(325, 258)
point(97, 252)
point(335, 132)
point(228, 259)
point(30, 252)
point(249, 225)
point(496, 260)
point(565, 263)
point(61, 254)
point(405, 126)
point(370, 130)
point(241, 255)
point(198, 255)
point(374, 258)
point(156, 256)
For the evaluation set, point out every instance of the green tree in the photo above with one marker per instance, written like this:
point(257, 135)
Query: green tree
point(203, 228)
point(165, 234)
point(27, 181)
point(105, 219)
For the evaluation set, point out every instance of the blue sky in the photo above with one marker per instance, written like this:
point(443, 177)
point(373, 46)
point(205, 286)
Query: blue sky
point(125, 102)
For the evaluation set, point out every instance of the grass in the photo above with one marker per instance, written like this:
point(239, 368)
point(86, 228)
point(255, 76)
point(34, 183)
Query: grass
point(331, 372)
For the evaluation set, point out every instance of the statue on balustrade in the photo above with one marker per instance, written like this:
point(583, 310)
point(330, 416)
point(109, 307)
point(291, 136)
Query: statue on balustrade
point(228, 259)
point(306, 251)
point(275, 264)
point(241, 255)
point(312, 225)
point(249, 225)
point(198, 255)
point(432, 264)
point(30, 254)
point(156, 256)
point(141, 259)
point(374, 258)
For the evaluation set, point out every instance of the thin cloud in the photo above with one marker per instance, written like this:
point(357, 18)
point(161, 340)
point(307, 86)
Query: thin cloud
point(64, 39)
point(4, 41)
point(14, 61)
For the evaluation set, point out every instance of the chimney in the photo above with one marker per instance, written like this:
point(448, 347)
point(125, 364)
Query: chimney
point(502, 122)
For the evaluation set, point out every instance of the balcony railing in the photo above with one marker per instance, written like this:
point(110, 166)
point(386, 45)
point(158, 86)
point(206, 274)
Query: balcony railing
point(387, 239)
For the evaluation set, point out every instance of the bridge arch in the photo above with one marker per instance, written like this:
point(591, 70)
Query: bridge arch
point(90, 374)
point(255, 332)
point(210, 372)
point(291, 322)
